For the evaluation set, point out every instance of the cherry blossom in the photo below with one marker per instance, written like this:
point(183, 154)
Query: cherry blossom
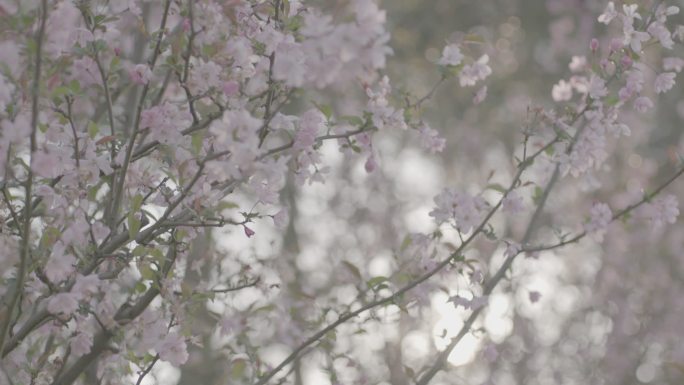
point(562, 91)
point(451, 55)
point(664, 82)
point(472, 73)
point(173, 349)
point(608, 14)
point(140, 74)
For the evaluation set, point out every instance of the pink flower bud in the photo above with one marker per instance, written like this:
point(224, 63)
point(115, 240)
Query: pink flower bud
point(370, 164)
point(249, 232)
point(626, 62)
point(186, 25)
point(594, 45)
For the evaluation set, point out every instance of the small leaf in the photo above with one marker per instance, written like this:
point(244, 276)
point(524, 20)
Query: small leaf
point(133, 225)
point(405, 243)
point(325, 109)
point(139, 251)
point(375, 282)
point(226, 205)
point(140, 288)
point(93, 129)
point(353, 269)
point(237, 370)
point(136, 202)
point(473, 38)
point(75, 86)
point(538, 192)
point(353, 120)
point(147, 273)
point(496, 187)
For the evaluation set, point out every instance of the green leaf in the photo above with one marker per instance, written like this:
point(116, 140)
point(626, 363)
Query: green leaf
point(114, 64)
point(139, 251)
point(133, 225)
point(136, 202)
point(237, 370)
point(140, 288)
point(147, 273)
point(157, 255)
point(353, 120)
point(75, 86)
point(325, 109)
point(405, 243)
point(496, 187)
point(353, 269)
point(473, 38)
point(196, 141)
point(538, 192)
point(226, 205)
point(611, 100)
point(60, 91)
point(93, 129)
point(374, 283)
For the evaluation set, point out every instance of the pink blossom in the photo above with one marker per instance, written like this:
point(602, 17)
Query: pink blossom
point(661, 210)
point(608, 14)
point(634, 38)
point(290, 66)
point(673, 64)
point(86, 285)
point(383, 113)
point(660, 32)
point(140, 74)
point(664, 82)
point(81, 343)
point(231, 88)
point(430, 139)
point(597, 87)
point(164, 121)
point(173, 349)
point(472, 73)
point(281, 219)
point(643, 104)
point(310, 124)
point(60, 265)
point(600, 217)
point(630, 11)
point(204, 75)
point(248, 232)
point(578, 64)
point(562, 91)
point(451, 55)
point(480, 95)
point(464, 210)
point(85, 71)
point(63, 303)
point(513, 203)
